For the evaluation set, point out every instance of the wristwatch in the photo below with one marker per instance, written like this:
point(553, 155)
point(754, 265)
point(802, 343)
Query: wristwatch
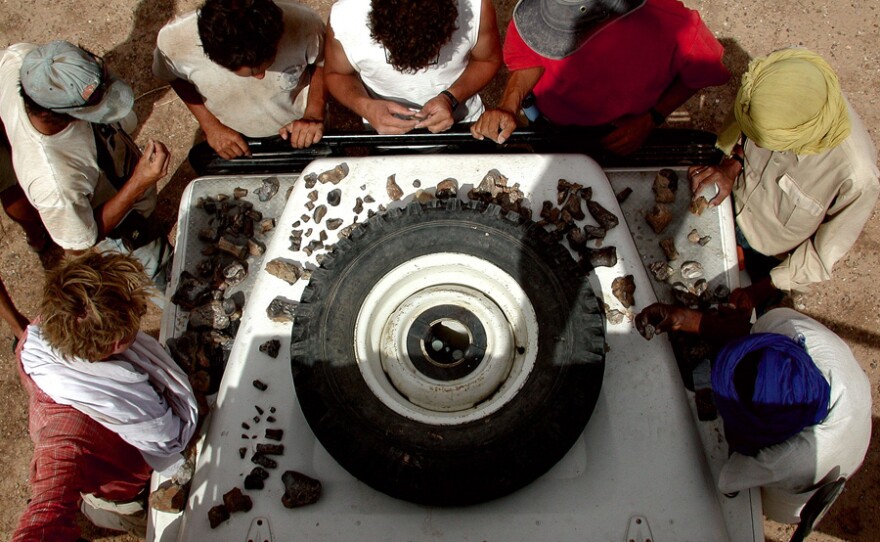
point(453, 101)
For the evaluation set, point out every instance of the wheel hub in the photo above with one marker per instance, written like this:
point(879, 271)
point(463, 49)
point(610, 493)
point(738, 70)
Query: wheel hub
point(446, 343)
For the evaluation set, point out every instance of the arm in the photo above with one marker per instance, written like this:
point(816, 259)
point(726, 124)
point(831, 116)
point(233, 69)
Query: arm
point(225, 141)
point(498, 124)
point(632, 130)
point(16, 320)
point(308, 130)
point(718, 326)
point(813, 260)
point(152, 166)
point(344, 84)
point(55, 484)
point(484, 61)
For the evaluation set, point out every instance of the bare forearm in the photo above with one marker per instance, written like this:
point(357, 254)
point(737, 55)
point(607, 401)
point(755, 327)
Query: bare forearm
point(317, 101)
point(17, 321)
point(111, 213)
point(477, 75)
point(520, 83)
point(349, 91)
point(151, 167)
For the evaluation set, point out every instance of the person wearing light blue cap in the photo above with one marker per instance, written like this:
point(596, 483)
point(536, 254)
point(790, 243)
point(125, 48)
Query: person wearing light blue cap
point(61, 109)
point(795, 404)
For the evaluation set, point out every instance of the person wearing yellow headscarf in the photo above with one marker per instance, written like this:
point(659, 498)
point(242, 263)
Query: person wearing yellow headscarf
point(801, 168)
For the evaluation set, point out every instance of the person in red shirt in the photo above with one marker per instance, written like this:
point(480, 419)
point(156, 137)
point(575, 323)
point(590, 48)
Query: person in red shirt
point(624, 65)
point(107, 405)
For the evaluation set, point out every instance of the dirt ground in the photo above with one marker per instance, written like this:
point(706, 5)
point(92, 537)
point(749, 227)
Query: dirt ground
point(847, 34)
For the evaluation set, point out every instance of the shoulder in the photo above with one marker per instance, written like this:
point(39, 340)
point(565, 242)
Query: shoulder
point(294, 11)
point(829, 352)
point(179, 34)
point(301, 22)
point(860, 152)
point(349, 14)
point(668, 10)
point(15, 53)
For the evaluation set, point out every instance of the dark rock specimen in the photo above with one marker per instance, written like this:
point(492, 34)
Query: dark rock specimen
point(299, 489)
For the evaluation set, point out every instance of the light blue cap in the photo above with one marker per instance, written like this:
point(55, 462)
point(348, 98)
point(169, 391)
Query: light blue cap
point(62, 77)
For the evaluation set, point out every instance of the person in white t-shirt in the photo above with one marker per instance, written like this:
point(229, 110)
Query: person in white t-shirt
point(249, 68)
point(54, 99)
point(415, 64)
point(795, 403)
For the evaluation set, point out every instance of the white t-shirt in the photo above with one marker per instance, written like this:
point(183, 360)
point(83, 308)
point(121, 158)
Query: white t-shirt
point(253, 107)
point(789, 473)
point(58, 173)
point(349, 20)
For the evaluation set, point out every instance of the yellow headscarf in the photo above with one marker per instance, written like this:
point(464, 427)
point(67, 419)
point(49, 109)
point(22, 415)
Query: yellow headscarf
point(789, 100)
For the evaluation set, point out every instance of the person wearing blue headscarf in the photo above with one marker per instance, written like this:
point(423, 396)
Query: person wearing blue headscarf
point(794, 402)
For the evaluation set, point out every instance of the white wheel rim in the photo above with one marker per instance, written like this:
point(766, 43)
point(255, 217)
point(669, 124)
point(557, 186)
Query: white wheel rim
point(498, 315)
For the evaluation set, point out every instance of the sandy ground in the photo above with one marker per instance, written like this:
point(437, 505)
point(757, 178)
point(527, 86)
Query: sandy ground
point(847, 34)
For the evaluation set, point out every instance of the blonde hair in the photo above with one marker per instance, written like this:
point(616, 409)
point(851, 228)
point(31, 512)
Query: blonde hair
point(93, 301)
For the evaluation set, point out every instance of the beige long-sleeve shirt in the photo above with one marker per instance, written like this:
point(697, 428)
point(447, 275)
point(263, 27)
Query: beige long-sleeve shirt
point(809, 209)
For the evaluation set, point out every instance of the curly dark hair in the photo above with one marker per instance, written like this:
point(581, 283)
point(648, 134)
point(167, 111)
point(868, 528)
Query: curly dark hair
point(412, 31)
point(240, 33)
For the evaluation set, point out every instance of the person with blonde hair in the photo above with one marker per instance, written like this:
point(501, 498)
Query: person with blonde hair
point(107, 404)
point(802, 171)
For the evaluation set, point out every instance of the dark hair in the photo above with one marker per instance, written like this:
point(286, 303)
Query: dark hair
point(412, 31)
point(33, 108)
point(240, 33)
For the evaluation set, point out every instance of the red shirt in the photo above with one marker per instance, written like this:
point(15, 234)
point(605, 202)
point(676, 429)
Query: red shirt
point(72, 454)
point(625, 67)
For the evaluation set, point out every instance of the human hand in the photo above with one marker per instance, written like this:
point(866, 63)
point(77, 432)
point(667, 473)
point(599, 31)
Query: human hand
point(496, 124)
point(629, 134)
point(152, 165)
point(226, 142)
point(303, 132)
point(436, 115)
point(753, 296)
point(389, 117)
point(722, 175)
point(662, 318)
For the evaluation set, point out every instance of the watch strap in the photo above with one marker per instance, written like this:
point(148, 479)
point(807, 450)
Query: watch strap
point(453, 101)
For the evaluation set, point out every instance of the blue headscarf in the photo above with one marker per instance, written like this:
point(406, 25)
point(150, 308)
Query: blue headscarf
point(790, 392)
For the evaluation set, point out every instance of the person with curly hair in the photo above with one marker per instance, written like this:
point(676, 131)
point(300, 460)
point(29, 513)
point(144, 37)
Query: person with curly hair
point(107, 404)
point(408, 64)
point(249, 68)
point(620, 66)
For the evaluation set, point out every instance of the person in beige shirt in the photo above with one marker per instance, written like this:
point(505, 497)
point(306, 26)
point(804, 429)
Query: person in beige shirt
point(802, 171)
